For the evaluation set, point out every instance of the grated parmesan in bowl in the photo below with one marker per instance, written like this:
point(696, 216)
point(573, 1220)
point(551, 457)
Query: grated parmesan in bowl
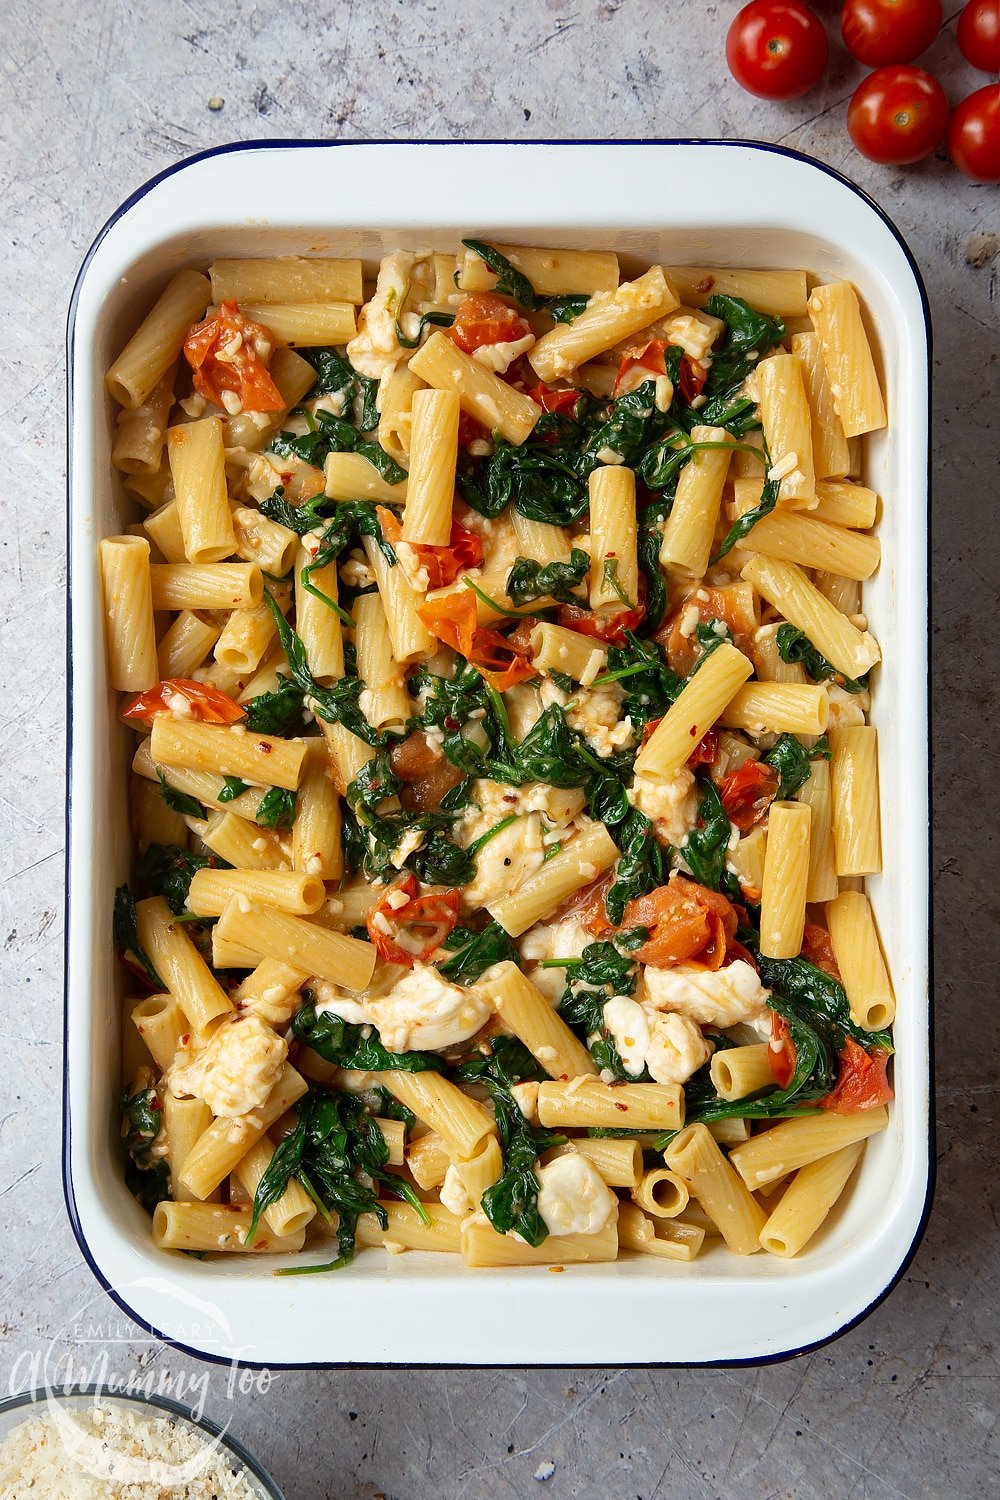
point(72, 1445)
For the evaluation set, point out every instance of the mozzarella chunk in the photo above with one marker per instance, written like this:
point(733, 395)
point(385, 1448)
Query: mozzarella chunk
point(332, 1001)
point(846, 709)
point(573, 1198)
point(423, 1012)
point(672, 805)
point(543, 814)
point(236, 1071)
point(374, 350)
point(500, 357)
point(566, 938)
point(626, 1021)
point(711, 997)
point(453, 1194)
point(596, 714)
point(676, 1047)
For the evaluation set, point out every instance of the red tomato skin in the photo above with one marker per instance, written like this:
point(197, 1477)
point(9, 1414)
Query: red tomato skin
point(898, 115)
point(878, 32)
point(776, 49)
point(974, 135)
point(979, 35)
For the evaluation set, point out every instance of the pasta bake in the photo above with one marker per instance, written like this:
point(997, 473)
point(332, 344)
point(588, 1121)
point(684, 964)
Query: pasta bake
point(504, 789)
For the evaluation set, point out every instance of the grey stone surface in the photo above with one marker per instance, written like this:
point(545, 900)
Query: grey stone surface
point(97, 96)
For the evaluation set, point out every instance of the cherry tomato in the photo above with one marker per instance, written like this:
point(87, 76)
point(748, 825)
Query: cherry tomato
point(464, 550)
point(685, 921)
point(406, 927)
point(898, 115)
point(877, 32)
point(704, 752)
point(861, 1081)
point(198, 701)
point(650, 358)
point(692, 378)
point(228, 355)
point(979, 35)
point(484, 318)
point(550, 400)
point(748, 792)
point(781, 1053)
point(776, 49)
point(974, 135)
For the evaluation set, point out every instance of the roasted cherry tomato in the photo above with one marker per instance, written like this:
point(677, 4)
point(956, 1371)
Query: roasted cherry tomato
point(974, 135)
point(607, 625)
point(685, 921)
point(406, 927)
point(484, 318)
point(425, 771)
point(186, 698)
point(781, 1051)
point(649, 360)
point(776, 49)
point(898, 115)
point(705, 751)
point(443, 564)
point(861, 1081)
point(748, 792)
point(550, 400)
point(501, 660)
point(228, 355)
point(817, 947)
point(877, 32)
point(692, 377)
point(979, 35)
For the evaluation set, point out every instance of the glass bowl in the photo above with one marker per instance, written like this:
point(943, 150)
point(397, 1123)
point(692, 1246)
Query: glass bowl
point(17, 1409)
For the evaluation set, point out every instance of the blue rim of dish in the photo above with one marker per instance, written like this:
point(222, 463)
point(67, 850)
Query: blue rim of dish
point(752, 1361)
point(41, 1394)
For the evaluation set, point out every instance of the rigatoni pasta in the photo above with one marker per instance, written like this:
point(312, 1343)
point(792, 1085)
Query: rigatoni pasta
point(504, 785)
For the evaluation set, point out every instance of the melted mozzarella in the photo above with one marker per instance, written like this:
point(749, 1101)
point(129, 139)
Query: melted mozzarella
point(423, 1012)
point(626, 1021)
point(500, 357)
point(566, 938)
point(719, 997)
point(672, 805)
point(676, 1049)
point(573, 1198)
point(846, 709)
point(453, 1194)
point(374, 350)
point(236, 1071)
point(596, 715)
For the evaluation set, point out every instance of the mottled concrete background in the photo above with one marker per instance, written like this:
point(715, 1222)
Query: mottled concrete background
point(97, 96)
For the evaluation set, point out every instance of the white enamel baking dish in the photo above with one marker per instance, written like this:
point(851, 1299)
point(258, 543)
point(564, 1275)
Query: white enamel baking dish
point(696, 202)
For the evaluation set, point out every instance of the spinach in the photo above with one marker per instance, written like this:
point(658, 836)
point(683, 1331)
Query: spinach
point(704, 851)
point(125, 927)
point(650, 539)
point(147, 1177)
point(449, 703)
point(475, 952)
point(802, 983)
point(168, 871)
point(510, 282)
point(512, 1202)
point(553, 753)
point(279, 712)
point(795, 646)
point(539, 481)
point(746, 523)
point(601, 971)
point(338, 374)
point(529, 580)
point(435, 319)
point(233, 787)
point(642, 866)
point(749, 334)
point(335, 435)
point(791, 761)
point(178, 802)
point(564, 309)
point(345, 1045)
point(651, 686)
point(439, 861)
point(338, 1153)
point(297, 518)
point(335, 704)
point(277, 808)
